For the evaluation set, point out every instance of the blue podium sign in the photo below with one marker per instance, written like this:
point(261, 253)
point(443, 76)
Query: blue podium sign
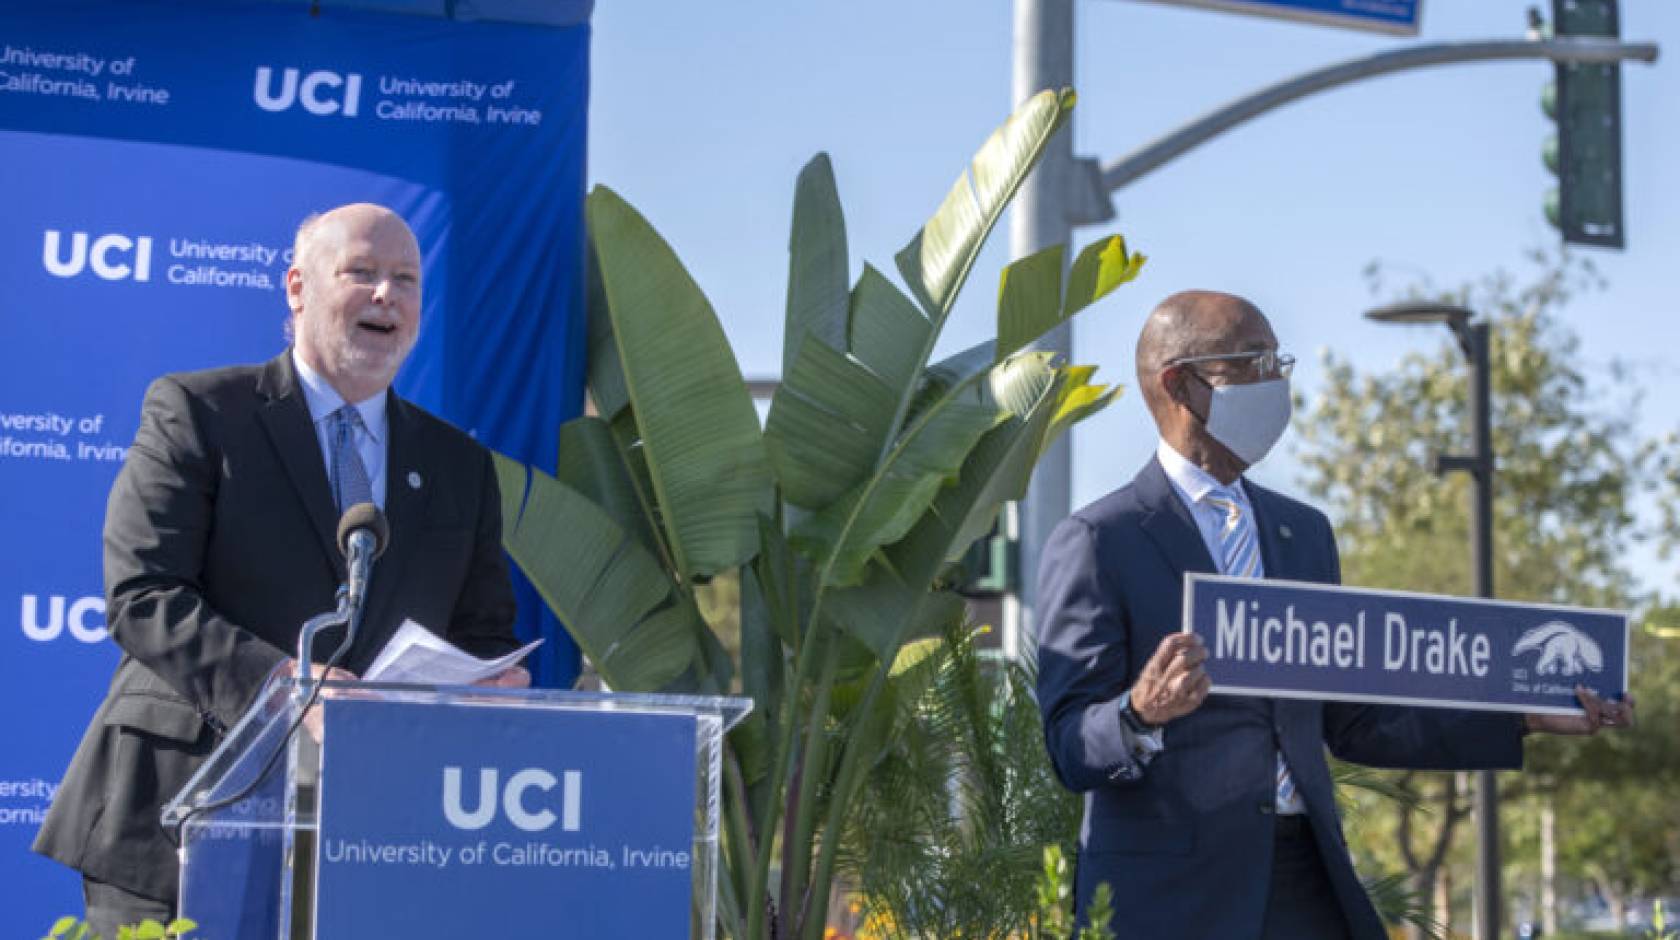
point(449, 822)
point(1289, 639)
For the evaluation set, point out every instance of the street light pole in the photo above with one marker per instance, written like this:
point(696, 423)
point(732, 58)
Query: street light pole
point(1475, 341)
point(1487, 783)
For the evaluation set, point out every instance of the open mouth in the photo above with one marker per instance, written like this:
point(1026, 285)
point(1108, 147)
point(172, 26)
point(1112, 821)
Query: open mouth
point(380, 328)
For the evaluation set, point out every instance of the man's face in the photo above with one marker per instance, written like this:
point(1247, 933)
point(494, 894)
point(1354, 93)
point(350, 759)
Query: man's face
point(355, 296)
point(1231, 355)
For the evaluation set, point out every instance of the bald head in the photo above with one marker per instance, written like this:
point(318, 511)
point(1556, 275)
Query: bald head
point(354, 290)
point(1195, 323)
point(327, 228)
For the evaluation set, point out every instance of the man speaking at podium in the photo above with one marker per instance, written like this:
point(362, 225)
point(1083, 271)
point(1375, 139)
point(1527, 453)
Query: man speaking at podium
point(219, 544)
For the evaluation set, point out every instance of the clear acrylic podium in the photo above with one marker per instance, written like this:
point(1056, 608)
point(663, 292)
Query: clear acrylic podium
point(255, 868)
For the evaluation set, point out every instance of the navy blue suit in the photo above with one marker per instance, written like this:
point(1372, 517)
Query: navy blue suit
point(1186, 846)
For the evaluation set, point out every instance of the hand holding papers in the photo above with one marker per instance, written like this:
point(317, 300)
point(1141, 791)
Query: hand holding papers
point(415, 654)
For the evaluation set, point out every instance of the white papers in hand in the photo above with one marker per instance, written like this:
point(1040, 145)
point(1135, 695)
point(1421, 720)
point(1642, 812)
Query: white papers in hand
point(416, 654)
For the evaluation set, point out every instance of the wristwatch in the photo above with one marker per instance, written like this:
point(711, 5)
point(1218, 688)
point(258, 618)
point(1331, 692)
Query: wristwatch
point(1133, 720)
point(1144, 741)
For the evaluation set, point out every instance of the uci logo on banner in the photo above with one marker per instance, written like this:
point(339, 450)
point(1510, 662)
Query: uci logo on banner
point(112, 257)
point(321, 93)
point(85, 619)
point(1290, 639)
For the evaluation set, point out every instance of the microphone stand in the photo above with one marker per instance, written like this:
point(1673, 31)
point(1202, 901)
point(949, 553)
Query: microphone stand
point(314, 625)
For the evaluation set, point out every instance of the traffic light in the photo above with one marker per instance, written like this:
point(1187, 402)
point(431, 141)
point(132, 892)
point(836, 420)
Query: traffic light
point(1585, 101)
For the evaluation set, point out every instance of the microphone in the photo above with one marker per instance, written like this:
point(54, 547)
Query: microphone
point(362, 536)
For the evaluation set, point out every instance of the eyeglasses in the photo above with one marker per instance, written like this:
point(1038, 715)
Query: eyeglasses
point(1254, 366)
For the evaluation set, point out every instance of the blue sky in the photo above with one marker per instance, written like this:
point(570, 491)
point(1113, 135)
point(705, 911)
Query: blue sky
point(702, 115)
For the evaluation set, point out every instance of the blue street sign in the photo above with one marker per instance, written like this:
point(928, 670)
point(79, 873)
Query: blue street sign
point(1289, 639)
point(1398, 17)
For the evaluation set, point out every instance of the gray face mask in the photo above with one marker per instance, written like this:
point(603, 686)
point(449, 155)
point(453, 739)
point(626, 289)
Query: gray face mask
point(1249, 419)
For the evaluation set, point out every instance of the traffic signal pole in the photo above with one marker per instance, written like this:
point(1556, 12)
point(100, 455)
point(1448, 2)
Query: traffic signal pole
point(1134, 165)
point(1042, 216)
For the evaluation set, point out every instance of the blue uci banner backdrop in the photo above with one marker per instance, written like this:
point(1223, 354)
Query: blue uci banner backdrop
point(1398, 17)
point(446, 822)
point(1295, 640)
point(158, 157)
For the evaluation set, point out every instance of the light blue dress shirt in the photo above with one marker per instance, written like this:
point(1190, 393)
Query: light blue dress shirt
point(371, 438)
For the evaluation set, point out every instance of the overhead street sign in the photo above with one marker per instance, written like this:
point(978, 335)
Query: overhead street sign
point(1395, 17)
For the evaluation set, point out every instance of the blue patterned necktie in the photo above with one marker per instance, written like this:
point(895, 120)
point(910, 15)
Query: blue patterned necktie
point(349, 477)
point(1239, 549)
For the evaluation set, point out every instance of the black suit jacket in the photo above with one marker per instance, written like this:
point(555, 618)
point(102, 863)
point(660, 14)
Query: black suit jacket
point(219, 544)
point(1186, 846)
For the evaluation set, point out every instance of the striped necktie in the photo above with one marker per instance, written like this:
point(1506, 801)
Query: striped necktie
point(1239, 551)
point(349, 476)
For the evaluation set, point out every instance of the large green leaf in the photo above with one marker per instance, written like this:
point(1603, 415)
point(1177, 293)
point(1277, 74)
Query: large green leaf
point(762, 676)
point(1101, 266)
point(884, 612)
point(602, 584)
point(886, 332)
point(950, 373)
point(699, 431)
point(606, 374)
point(1031, 301)
point(938, 259)
point(592, 462)
point(963, 398)
point(837, 408)
point(830, 408)
point(826, 423)
point(893, 601)
point(817, 274)
point(881, 510)
point(1079, 400)
point(1000, 466)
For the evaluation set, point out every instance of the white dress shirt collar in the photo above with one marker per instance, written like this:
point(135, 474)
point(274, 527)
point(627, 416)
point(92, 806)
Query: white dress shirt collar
point(323, 400)
point(1190, 480)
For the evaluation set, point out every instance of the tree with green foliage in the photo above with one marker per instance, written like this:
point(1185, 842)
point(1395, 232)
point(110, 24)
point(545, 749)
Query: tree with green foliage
point(1613, 797)
point(1570, 468)
point(876, 469)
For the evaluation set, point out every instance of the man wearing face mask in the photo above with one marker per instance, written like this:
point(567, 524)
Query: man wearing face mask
point(1215, 816)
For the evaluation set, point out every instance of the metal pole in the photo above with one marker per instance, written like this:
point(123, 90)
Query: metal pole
point(1040, 218)
point(1481, 528)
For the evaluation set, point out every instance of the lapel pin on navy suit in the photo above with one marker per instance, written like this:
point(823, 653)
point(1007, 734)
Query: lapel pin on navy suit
point(1285, 531)
point(414, 479)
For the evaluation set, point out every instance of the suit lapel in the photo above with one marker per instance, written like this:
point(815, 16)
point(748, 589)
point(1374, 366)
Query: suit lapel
point(406, 491)
point(1277, 541)
point(285, 418)
point(1168, 523)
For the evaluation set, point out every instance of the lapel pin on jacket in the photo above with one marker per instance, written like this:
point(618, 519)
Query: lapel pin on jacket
point(1283, 530)
point(414, 480)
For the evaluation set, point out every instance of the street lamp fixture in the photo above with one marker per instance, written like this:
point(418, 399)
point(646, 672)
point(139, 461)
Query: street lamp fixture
point(1455, 317)
point(1473, 340)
